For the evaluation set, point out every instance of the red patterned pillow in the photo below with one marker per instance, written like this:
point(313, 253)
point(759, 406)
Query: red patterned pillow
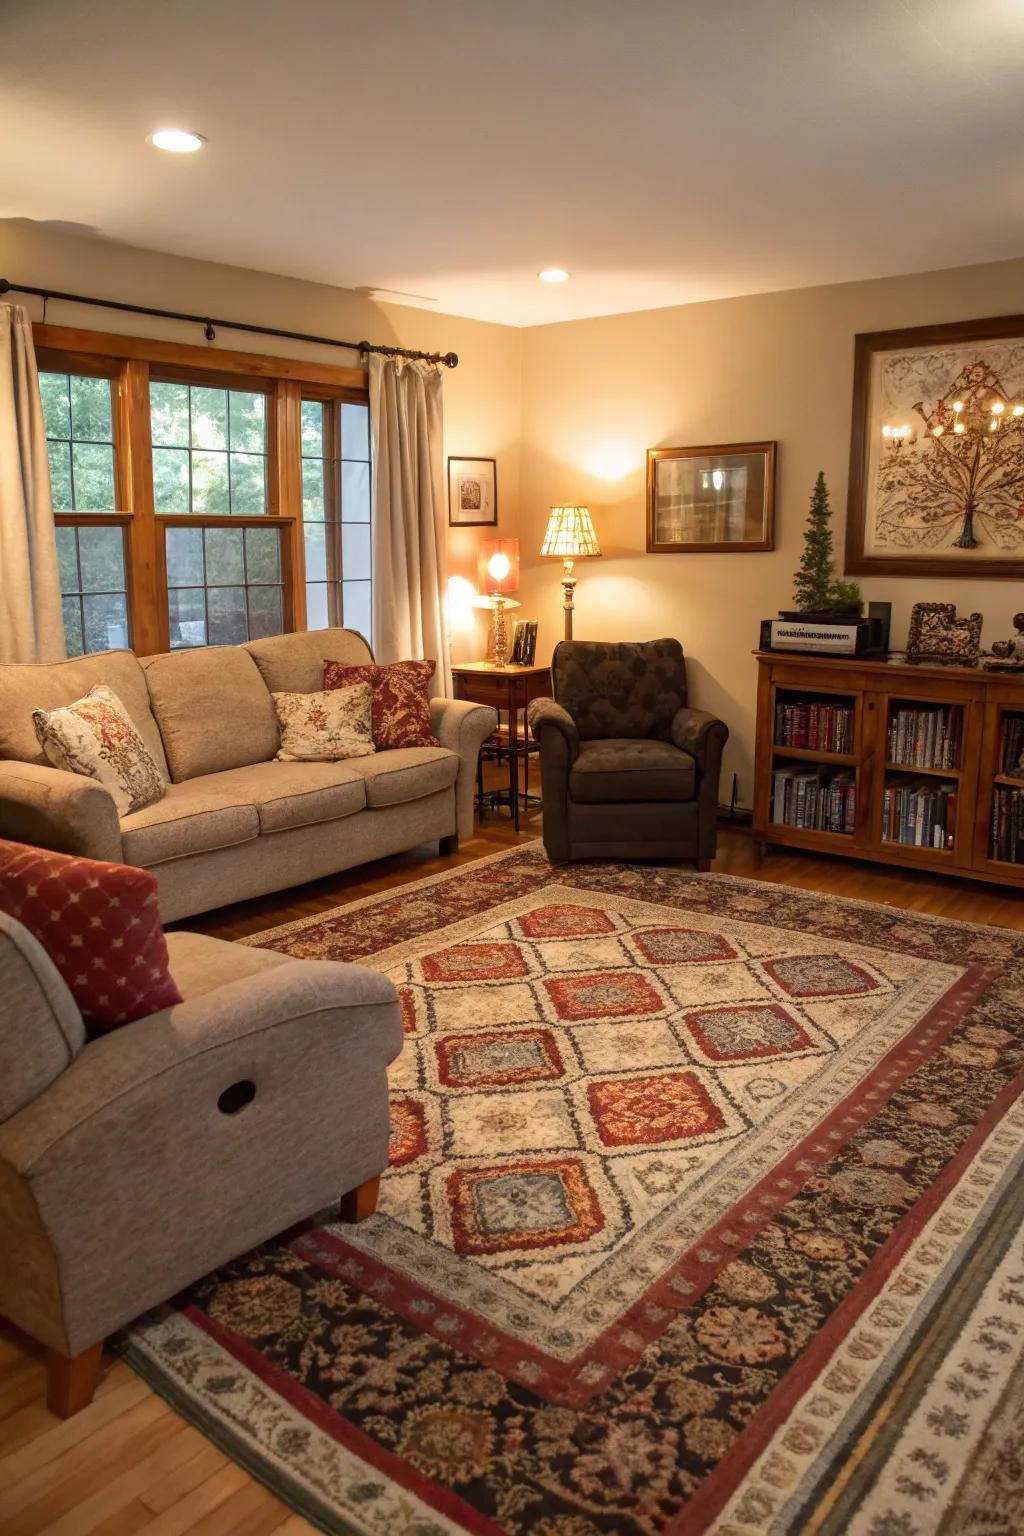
point(401, 704)
point(100, 925)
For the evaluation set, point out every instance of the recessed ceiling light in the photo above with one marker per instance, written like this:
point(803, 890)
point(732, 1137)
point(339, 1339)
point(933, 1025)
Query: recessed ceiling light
point(553, 275)
point(177, 141)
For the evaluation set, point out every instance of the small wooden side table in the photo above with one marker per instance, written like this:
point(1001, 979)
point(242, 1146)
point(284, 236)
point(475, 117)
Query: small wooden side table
point(504, 688)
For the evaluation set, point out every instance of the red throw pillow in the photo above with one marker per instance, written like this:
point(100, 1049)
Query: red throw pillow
point(401, 705)
point(100, 925)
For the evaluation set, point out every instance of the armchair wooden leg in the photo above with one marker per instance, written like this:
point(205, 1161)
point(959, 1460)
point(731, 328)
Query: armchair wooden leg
point(359, 1203)
point(72, 1380)
point(703, 865)
point(448, 845)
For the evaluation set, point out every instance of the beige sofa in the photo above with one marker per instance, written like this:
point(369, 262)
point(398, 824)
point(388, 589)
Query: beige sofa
point(234, 822)
point(132, 1164)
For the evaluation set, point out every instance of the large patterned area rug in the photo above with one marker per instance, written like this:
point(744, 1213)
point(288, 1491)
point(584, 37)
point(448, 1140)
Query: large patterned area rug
point(704, 1214)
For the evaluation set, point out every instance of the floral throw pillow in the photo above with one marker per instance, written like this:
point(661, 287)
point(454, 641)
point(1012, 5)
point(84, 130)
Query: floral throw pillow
point(324, 727)
point(95, 737)
point(401, 703)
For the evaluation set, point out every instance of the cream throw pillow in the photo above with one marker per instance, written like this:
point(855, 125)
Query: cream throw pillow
point(325, 727)
point(96, 738)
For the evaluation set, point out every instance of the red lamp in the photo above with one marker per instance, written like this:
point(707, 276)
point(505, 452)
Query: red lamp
point(499, 575)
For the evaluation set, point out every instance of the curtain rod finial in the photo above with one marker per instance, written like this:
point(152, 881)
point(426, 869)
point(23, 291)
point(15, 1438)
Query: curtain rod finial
point(450, 359)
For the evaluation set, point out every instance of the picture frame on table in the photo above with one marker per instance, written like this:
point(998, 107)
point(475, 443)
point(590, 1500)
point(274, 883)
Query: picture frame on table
point(711, 500)
point(472, 493)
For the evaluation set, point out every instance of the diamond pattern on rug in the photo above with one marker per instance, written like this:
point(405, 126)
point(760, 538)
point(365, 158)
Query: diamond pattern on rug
point(474, 962)
point(654, 1111)
point(408, 1137)
point(604, 996)
point(747, 1033)
point(682, 946)
point(565, 921)
point(804, 976)
point(498, 1058)
point(528, 1205)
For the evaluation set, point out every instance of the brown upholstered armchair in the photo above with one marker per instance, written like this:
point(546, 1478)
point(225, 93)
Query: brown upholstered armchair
point(628, 770)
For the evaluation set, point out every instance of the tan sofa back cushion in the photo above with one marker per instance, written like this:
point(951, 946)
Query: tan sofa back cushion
point(213, 710)
point(295, 663)
point(25, 686)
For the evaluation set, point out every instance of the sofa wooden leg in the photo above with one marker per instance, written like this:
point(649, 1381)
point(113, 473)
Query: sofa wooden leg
point(359, 1203)
point(448, 845)
point(71, 1380)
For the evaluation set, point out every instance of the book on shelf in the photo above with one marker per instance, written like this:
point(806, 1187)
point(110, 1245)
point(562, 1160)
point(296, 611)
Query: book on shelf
point(1011, 745)
point(925, 737)
point(1007, 836)
point(920, 813)
point(814, 726)
point(814, 801)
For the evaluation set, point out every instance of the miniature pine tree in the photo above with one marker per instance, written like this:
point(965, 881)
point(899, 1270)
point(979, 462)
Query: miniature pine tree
point(813, 581)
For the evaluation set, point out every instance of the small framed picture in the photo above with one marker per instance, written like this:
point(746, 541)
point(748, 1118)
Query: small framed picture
point(472, 493)
point(719, 499)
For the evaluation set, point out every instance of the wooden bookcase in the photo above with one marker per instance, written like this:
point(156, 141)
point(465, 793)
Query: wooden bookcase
point(955, 791)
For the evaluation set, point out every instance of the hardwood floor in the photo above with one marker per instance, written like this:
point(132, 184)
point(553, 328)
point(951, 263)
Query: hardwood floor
point(128, 1463)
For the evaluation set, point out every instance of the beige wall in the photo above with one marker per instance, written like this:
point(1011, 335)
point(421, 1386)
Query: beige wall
point(483, 404)
point(598, 393)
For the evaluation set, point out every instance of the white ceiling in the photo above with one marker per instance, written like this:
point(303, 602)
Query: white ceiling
point(662, 150)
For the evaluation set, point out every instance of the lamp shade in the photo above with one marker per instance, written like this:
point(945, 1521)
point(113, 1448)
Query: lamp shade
point(499, 565)
point(570, 534)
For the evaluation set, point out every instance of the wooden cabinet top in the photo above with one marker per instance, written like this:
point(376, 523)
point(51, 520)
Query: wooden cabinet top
point(835, 666)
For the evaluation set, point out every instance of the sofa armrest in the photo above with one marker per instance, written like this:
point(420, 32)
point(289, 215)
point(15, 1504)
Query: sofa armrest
point(463, 727)
point(546, 715)
point(50, 808)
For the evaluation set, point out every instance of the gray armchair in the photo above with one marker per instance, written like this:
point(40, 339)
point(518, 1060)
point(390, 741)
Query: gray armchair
point(132, 1164)
point(628, 770)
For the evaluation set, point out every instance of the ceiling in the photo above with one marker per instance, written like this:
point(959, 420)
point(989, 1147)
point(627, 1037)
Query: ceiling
point(663, 151)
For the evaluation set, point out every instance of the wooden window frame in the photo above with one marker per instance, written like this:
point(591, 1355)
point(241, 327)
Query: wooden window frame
point(130, 362)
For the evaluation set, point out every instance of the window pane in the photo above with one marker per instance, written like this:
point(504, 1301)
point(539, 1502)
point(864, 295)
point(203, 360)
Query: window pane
point(106, 621)
point(60, 475)
point(355, 431)
point(90, 410)
point(356, 612)
point(248, 422)
point(187, 610)
point(355, 493)
point(184, 557)
point(312, 426)
point(73, 626)
point(262, 554)
point(168, 414)
point(170, 480)
point(248, 483)
point(53, 387)
point(313, 503)
point(355, 551)
point(209, 418)
point(210, 484)
point(316, 552)
point(92, 465)
point(226, 616)
point(316, 606)
point(224, 561)
point(67, 559)
point(102, 555)
point(266, 612)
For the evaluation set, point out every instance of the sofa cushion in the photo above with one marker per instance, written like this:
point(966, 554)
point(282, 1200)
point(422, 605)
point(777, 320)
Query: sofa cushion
point(616, 688)
point(197, 816)
point(626, 769)
point(213, 710)
point(407, 773)
point(95, 737)
point(401, 702)
point(295, 663)
point(25, 686)
point(100, 925)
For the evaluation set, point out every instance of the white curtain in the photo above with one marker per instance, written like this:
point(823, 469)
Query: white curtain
point(409, 518)
point(31, 622)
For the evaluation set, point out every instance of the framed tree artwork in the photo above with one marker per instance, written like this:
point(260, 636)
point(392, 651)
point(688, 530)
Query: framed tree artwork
point(937, 451)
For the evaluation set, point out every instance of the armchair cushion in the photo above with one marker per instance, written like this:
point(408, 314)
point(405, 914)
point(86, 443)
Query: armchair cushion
point(629, 770)
point(619, 688)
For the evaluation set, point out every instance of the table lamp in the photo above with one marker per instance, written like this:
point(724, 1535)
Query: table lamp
point(499, 562)
point(569, 537)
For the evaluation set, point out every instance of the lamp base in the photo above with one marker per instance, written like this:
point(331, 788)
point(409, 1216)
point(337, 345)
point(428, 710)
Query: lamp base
point(500, 629)
point(568, 588)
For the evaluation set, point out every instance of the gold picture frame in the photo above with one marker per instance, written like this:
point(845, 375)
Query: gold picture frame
point(712, 500)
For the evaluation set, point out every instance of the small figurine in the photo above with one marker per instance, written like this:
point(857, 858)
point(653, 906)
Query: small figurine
point(1008, 655)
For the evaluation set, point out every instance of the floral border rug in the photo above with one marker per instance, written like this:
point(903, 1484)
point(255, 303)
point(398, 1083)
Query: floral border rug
point(704, 1214)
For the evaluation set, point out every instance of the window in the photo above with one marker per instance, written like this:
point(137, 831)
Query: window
point(335, 441)
point(203, 496)
point(79, 419)
point(209, 450)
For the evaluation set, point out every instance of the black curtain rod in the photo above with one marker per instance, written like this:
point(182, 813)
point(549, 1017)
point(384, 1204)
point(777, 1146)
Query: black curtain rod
point(449, 359)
